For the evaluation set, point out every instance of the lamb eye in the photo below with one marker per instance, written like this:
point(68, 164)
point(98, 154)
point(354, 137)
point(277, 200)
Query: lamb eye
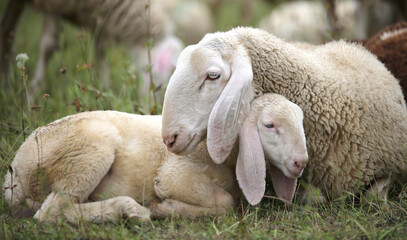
point(213, 76)
point(269, 125)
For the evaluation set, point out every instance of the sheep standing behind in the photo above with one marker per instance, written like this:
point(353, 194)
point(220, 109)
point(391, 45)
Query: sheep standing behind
point(125, 21)
point(355, 117)
point(308, 20)
point(192, 19)
point(101, 165)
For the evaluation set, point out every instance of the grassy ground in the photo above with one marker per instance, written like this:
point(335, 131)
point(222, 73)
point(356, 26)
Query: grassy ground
point(271, 220)
point(80, 88)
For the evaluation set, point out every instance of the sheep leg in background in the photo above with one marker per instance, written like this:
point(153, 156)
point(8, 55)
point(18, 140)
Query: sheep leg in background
point(332, 16)
point(48, 45)
point(311, 195)
point(9, 20)
point(101, 64)
point(140, 56)
point(107, 210)
point(247, 9)
point(380, 189)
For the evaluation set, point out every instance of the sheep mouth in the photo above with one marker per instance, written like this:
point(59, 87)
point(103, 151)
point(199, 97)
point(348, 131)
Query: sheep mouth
point(295, 173)
point(286, 170)
point(186, 145)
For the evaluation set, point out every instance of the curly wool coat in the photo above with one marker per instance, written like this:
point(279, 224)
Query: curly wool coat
point(355, 117)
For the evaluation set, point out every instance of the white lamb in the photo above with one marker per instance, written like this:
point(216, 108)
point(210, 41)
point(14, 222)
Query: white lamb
point(101, 165)
point(355, 117)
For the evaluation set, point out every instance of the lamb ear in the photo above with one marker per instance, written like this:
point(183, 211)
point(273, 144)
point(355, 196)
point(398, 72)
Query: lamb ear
point(231, 108)
point(283, 185)
point(251, 165)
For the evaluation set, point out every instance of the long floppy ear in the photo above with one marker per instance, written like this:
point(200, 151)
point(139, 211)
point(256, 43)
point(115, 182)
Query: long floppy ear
point(231, 108)
point(283, 185)
point(251, 165)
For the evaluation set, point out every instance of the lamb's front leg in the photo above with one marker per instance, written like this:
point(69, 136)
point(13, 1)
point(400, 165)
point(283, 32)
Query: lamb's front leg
point(59, 205)
point(219, 203)
point(193, 190)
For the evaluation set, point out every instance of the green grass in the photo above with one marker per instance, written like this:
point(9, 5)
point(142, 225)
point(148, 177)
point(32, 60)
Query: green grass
point(271, 220)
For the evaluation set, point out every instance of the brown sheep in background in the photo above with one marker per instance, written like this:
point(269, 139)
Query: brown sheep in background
point(390, 46)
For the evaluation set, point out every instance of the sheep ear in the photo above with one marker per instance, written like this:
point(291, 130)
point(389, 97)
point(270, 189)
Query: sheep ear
point(283, 185)
point(251, 165)
point(231, 108)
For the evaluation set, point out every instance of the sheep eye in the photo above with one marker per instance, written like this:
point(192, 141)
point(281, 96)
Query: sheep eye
point(213, 76)
point(269, 125)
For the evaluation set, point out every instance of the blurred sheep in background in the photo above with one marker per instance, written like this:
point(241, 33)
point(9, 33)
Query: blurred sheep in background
point(390, 47)
point(192, 19)
point(176, 23)
point(129, 22)
point(321, 21)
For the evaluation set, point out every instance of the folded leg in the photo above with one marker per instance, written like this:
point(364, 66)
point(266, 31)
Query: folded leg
point(192, 189)
point(60, 205)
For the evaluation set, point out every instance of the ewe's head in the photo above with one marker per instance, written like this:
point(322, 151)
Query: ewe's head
point(208, 95)
point(272, 133)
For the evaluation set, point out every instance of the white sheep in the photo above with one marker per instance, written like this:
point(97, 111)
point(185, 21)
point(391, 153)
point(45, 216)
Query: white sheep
point(108, 19)
point(309, 21)
point(355, 117)
point(101, 165)
point(123, 21)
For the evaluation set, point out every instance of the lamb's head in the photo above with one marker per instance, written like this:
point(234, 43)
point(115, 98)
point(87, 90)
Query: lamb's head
point(272, 133)
point(208, 95)
point(281, 131)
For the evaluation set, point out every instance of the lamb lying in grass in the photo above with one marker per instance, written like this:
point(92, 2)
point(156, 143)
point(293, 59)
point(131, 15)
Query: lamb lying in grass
point(104, 165)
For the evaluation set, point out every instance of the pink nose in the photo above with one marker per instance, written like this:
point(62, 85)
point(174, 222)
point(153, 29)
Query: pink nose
point(170, 141)
point(298, 165)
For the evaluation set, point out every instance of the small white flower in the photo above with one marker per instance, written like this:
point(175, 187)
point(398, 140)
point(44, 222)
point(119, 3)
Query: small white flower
point(21, 59)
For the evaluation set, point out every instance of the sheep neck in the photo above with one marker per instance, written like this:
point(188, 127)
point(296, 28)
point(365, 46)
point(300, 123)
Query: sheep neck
point(278, 66)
